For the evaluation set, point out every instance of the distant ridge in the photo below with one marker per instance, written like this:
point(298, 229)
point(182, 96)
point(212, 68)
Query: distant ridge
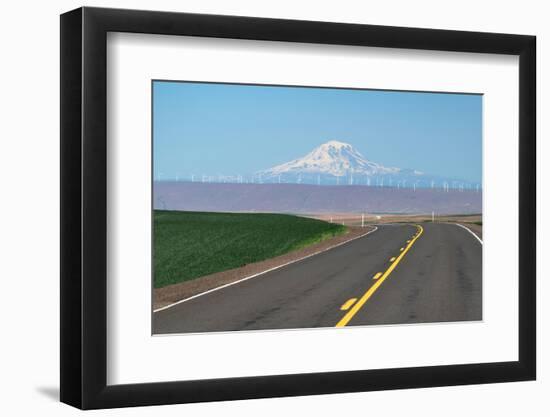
point(307, 198)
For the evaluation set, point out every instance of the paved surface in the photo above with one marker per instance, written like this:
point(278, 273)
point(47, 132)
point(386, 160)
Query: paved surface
point(436, 277)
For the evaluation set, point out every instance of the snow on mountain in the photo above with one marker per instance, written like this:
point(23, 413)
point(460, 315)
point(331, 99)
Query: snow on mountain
point(334, 158)
point(336, 162)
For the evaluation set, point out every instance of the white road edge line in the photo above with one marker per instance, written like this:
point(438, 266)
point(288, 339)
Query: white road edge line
point(261, 273)
point(472, 233)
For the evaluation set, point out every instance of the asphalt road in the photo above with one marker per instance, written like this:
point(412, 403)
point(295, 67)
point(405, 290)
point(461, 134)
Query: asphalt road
point(436, 277)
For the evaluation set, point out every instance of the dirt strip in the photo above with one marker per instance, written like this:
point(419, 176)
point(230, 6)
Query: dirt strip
point(176, 292)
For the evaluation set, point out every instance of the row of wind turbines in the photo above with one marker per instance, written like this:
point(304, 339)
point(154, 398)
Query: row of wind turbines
point(445, 186)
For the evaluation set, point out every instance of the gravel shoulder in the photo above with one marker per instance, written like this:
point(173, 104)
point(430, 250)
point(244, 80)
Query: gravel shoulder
point(176, 292)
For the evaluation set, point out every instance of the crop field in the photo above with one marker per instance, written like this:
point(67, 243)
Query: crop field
point(189, 245)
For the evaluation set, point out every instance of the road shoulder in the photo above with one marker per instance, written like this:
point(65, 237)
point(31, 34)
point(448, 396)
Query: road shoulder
point(474, 228)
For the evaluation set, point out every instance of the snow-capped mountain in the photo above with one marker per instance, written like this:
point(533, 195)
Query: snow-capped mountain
point(331, 162)
point(336, 162)
point(335, 158)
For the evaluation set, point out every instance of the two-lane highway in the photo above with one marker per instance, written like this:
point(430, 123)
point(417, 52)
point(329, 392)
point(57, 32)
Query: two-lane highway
point(438, 281)
point(398, 274)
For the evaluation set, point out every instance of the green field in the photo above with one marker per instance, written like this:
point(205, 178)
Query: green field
point(188, 245)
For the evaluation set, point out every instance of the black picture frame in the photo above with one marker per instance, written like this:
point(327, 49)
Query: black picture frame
point(84, 207)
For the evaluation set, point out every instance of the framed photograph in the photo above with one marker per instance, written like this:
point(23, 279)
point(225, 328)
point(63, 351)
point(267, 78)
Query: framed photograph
point(257, 208)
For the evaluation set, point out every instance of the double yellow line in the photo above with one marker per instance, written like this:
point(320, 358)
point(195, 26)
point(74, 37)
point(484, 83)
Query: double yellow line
point(349, 315)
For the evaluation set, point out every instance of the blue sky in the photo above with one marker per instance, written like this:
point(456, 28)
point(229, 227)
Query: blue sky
point(227, 129)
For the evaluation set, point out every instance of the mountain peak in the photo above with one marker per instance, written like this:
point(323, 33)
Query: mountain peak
point(335, 162)
point(335, 144)
point(333, 158)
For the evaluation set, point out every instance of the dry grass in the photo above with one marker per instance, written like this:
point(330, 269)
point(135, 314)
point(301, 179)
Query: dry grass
point(354, 219)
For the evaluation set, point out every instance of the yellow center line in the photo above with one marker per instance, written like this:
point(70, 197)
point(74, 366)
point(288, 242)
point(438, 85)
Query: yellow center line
point(378, 275)
point(348, 304)
point(349, 315)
